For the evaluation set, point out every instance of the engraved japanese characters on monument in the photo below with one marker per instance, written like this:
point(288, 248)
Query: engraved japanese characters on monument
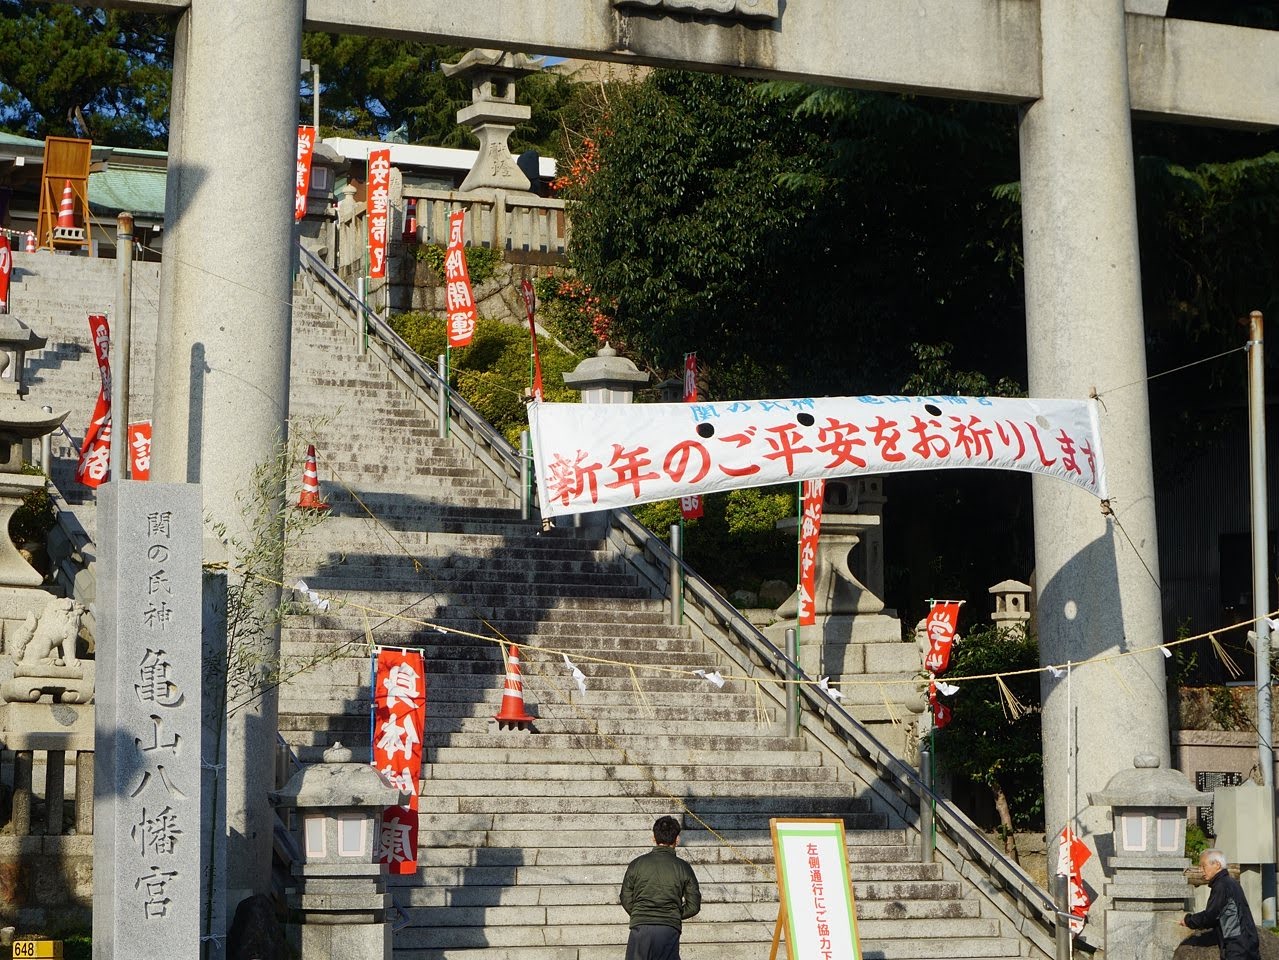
point(147, 835)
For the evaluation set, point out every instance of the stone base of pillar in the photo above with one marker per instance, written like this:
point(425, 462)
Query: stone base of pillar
point(1142, 934)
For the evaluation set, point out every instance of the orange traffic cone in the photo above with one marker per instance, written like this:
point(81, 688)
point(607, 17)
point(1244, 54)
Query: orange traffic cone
point(31, 242)
point(512, 713)
point(310, 497)
point(66, 209)
point(410, 220)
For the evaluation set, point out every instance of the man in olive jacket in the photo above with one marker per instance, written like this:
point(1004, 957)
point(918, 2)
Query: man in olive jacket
point(1227, 911)
point(659, 892)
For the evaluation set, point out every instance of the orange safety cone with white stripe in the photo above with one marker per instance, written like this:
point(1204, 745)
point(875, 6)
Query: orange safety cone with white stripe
point(512, 713)
point(310, 497)
point(66, 209)
point(31, 242)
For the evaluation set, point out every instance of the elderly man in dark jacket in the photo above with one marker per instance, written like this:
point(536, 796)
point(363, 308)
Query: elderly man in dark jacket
point(659, 892)
point(1227, 911)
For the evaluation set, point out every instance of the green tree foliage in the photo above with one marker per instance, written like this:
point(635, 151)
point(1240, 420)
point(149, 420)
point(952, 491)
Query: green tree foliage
point(492, 373)
point(982, 742)
point(114, 67)
point(371, 86)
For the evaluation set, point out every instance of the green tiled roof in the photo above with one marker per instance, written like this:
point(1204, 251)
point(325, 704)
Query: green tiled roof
point(120, 187)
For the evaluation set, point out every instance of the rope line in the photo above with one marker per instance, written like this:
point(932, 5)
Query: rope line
point(1164, 373)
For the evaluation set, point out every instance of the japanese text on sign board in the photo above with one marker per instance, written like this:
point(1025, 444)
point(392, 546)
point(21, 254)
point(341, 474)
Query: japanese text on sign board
point(399, 721)
point(816, 890)
point(594, 456)
point(95, 454)
point(690, 508)
point(810, 526)
point(157, 814)
point(306, 147)
point(379, 210)
point(140, 450)
point(460, 312)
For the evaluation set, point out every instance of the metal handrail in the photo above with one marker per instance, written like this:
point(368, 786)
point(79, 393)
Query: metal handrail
point(950, 820)
point(475, 427)
point(897, 776)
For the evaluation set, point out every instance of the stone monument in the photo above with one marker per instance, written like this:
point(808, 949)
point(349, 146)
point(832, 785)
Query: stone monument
point(855, 636)
point(148, 840)
point(493, 115)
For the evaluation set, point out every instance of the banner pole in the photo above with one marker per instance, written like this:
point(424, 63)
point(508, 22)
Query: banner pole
point(799, 560)
point(448, 361)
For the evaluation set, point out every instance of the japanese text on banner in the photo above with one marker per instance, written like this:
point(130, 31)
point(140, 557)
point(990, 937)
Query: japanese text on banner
point(459, 302)
point(140, 450)
point(379, 210)
point(530, 308)
point(690, 508)
point(6, 272)
point(810, 526)
point(1072, 854)
point(596, 456)
point(942, 620)
point(95, 454)
point(306, 147)
point(942, 714)
point(399, 721)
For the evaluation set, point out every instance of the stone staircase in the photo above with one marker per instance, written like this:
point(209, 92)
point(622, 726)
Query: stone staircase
point(524, 837)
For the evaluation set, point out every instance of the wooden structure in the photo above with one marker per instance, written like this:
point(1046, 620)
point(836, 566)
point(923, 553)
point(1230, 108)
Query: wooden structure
point(66, 159)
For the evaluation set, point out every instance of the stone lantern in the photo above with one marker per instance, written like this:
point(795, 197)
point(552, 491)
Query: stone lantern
point(339, 907)
point(1012, 605)
point(606, 378)
point(493, 115)
point(1148, 887)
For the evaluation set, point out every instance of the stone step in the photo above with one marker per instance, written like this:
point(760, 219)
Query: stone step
point(584, 772)
point(318, 714)
point(584, 827)
point(480, 579)
point(298, 627)
point(641, 746)
point(664, 754)
point(599, 847)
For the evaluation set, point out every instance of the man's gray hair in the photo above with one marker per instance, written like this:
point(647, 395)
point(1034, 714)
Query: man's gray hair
point(1215, 856)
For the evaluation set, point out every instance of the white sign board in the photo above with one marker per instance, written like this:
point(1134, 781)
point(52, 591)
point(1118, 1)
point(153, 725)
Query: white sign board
point(820, 921)
point(591, 456)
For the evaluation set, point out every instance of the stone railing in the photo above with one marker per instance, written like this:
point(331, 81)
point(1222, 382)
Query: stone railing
point(1026, 906)
point(513, 222)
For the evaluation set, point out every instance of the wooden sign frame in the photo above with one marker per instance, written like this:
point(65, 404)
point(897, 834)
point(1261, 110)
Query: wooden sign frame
point(65, 158)
point(815, 891)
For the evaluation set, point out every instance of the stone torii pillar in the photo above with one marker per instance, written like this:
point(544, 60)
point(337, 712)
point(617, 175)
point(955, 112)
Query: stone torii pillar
point(222, 356)
point(1085, 333)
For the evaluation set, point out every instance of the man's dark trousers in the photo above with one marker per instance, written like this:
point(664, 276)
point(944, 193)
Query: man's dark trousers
point(653, 941)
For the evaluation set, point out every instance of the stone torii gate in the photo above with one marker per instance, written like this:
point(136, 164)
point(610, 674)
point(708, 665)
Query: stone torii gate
point(1077, 69)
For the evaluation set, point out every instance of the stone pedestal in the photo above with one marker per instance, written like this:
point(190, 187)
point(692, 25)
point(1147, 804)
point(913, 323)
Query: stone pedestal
point(855, 637)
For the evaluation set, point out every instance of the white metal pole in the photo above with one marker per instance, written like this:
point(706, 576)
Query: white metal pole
point(123, 323)
point(1261, 584)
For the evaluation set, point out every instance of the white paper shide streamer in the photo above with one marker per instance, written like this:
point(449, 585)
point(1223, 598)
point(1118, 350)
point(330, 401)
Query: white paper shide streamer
point(711, 676)
point(578, 676)
point(319, 602)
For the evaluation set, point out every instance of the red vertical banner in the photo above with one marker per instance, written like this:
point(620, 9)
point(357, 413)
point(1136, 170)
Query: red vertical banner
point(1072, 854)
point(530, 308)
point(6, 272)
point(306, 147)
point(942, 714)
point(943, 618)
point(690, 508)
point(140, 450)
point(459, 301)
point(95, 453)
point(399, 722)
point(810, 528)
point(378, 213)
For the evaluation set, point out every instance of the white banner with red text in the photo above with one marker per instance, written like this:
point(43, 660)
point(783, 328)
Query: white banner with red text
point(399, 721)
point(597, 456)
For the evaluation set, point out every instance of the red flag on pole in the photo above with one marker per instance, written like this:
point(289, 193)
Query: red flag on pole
point(95, 454)
point(690, 508)
point(140, 450)
point(942, 714)
point(306, 147)
point(530, 307)
point(943, 618)
point(399, 722)
point(378, 211)
point(6, 272)
point(809, 530)
point(459, 301)
point(1072, 854)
